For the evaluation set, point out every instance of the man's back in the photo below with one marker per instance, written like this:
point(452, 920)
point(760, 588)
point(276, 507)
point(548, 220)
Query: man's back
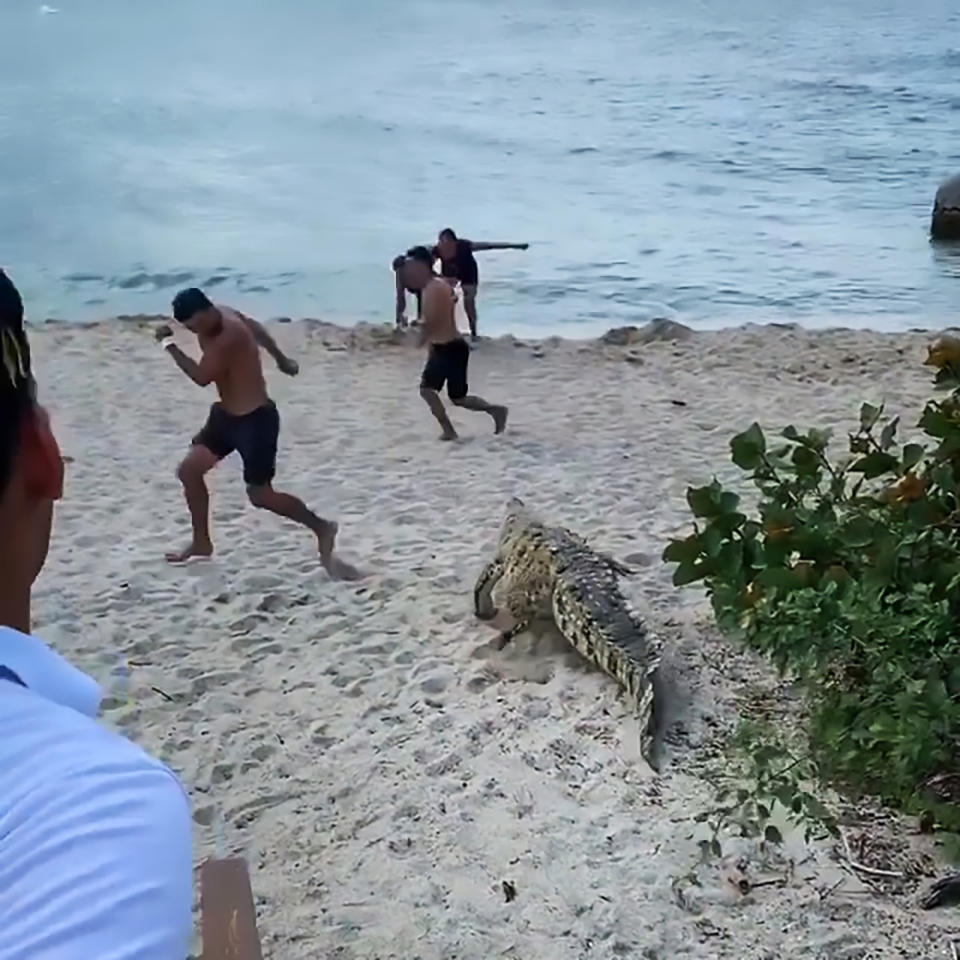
point(95, 857)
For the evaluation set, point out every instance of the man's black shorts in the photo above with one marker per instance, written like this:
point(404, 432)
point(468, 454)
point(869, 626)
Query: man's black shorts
point(447, 363)
point(253, 435)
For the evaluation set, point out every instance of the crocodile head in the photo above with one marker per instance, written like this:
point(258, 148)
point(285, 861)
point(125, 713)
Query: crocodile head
point(517, 517)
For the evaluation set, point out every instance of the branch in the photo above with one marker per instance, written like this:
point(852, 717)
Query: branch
point(862, 868)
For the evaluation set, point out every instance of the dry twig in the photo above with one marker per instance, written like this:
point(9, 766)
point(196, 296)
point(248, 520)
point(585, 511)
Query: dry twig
point(863, 868)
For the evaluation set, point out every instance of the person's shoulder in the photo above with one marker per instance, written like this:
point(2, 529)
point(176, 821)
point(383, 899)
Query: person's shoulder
point(235, 329)
point(71, 744)
point(97, 831)
point(230, 315)
point(437, 289)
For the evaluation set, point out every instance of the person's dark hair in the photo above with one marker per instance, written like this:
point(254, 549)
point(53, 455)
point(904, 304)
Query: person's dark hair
point(189, 302)
point(448, 233)
point(398, 262)
point(16, 380)
point(422, 254)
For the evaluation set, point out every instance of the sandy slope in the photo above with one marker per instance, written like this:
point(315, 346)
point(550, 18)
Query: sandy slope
point(383, 769)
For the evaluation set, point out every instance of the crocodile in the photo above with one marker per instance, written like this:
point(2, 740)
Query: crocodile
point(551, 573)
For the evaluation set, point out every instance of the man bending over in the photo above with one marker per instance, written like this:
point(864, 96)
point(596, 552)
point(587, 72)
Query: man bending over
point(448, 351)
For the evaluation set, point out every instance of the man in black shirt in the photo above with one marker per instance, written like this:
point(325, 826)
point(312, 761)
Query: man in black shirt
point(457, 264)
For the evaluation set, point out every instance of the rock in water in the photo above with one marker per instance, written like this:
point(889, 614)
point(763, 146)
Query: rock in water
point(663, 329)
point(658, 329)
point(945, 221)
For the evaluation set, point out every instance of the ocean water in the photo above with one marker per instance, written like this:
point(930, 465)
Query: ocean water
point(713, 161)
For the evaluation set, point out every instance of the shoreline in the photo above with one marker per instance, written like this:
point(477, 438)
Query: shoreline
point(648, 332)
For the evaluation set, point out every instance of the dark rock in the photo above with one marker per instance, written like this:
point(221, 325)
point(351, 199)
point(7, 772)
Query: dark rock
point(658, 329)
point(945, 219)
point(619, 336)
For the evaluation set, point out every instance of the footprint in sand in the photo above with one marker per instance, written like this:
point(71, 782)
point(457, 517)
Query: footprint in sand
point(480, 681)
point(271, 603)
point(436, 683)
point(342, 570)
point(222, 773)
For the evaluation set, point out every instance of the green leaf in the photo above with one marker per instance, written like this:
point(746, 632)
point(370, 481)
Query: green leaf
point(869, 415)
point(934, 423)
point(705, 501)
point(730, 560)
point(782, 578)
point(818, 439)
point(689, 573)
point(875, 465)
point(712, 540)
point(922, 513)
point(772, 835)
point(888, 434)
point(784, 795)
point(682, 551)
point(747, 448)
point(728, 522)
point(805, 461)
point(912, 454)
point(728, 502)
point(858, 532)
point(751, 530)
point(791, 433)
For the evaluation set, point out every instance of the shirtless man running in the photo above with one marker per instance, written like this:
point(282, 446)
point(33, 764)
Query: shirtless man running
point(449, 354)
point(245, 419)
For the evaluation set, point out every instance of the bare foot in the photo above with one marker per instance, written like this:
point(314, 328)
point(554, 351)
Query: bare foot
point(499, 415)
point(326, 536)
point(201, 551)
point(341, 570)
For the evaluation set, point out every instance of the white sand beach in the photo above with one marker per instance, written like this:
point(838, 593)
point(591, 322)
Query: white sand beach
point(385, 770)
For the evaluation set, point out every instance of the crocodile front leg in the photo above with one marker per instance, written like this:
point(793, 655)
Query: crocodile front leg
point(508, 635)
point(483, 606)
point(525, 603)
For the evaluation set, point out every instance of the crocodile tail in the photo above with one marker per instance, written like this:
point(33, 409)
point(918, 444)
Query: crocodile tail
point(635, 675)
point(636, 678)
point(617, 567)
point(646, 705)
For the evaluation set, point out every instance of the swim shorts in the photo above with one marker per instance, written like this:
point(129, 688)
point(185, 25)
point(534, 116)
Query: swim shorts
point(253, 435)
point(447, 363)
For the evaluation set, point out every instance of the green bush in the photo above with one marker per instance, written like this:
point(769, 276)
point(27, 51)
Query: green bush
point(847, 576)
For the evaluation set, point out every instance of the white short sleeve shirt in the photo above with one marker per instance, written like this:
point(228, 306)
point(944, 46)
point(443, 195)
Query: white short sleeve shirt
point(95, 835)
